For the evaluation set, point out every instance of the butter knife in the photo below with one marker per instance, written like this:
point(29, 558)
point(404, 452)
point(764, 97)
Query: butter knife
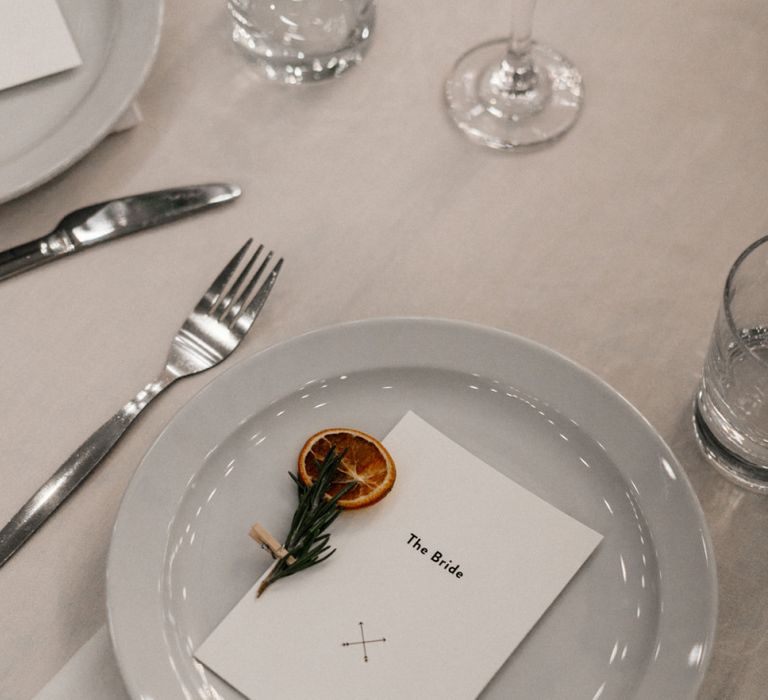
point(109, 220)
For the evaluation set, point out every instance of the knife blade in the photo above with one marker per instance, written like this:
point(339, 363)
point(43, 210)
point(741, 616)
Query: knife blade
point(106, 221)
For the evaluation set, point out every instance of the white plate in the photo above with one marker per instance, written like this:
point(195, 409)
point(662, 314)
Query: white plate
point(56, 120)
point(636, 622)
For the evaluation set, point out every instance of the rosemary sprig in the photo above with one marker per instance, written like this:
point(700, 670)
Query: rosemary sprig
point(307, 540)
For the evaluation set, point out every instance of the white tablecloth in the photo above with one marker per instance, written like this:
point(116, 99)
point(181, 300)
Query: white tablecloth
point(610, 247)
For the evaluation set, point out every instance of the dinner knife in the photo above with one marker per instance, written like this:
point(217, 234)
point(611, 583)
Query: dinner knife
point(106, 221)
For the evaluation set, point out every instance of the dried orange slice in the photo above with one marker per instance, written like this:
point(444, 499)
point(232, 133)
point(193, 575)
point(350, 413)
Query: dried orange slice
point(366, 463)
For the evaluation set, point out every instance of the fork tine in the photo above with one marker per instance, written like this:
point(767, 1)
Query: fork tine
point(213, 292)
point(238, 305)
point(230, 295)
point(244, 320)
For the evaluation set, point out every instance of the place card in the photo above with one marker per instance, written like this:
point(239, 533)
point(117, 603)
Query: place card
point(427, 595)
point(35, 41)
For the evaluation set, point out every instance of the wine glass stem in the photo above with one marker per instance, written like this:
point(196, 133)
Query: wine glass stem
point(522, 27)
point(517, 74)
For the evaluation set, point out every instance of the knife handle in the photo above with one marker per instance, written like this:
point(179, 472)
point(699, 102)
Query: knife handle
point(35, 253)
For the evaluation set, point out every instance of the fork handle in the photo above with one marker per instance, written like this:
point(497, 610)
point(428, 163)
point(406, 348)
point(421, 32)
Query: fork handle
point(74, 470)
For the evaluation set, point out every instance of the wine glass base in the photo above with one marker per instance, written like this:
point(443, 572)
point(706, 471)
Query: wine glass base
point(494, 125)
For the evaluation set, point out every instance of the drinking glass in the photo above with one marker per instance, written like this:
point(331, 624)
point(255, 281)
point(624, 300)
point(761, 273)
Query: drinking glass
point(299, 41)
point(514, 92)
point(730, 414)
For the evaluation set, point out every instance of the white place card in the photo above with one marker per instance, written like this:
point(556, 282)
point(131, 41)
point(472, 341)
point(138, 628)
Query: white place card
point(35, 41)
point(428, 593)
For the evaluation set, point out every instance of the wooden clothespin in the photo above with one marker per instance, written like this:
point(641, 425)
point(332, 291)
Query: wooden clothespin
point(264, 538)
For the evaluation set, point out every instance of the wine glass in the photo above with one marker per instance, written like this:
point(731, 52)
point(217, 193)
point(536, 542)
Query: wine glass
point(514, 92)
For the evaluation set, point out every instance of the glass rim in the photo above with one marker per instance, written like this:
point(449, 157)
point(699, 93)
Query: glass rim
point(728, 295)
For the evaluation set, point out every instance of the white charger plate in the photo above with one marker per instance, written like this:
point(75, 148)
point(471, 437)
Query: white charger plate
point(637, 621)
point(56, 120)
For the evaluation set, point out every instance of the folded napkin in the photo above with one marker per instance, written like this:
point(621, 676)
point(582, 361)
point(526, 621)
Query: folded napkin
point(91, 674)
point(36, 42)
point(131, 117)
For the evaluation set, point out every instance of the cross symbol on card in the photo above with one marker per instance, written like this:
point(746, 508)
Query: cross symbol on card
point(363, 641)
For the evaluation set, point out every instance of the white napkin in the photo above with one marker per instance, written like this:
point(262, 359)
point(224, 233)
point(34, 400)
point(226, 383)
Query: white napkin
point(35, 41)
point(131, 117)
point(91, 674)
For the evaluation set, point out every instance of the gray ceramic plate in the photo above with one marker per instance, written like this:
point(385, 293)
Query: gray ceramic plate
point(636, 622)
point(56, 120)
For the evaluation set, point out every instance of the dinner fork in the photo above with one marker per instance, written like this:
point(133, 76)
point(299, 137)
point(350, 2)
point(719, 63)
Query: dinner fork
point(209, 334)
